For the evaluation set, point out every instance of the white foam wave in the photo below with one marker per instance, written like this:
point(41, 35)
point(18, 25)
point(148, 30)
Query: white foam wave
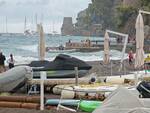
point(33, 48)
point(23, 60)
point(89, 58)
point(97, 56)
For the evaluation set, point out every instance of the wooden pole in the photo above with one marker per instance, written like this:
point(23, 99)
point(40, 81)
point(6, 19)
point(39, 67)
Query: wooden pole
point(43, 77)
point(76, 75)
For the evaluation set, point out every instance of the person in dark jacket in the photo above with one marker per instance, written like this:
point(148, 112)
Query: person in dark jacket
point(11, 61)
point(2, 62)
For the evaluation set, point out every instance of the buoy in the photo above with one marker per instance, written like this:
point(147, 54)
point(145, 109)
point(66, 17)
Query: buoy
point(68, 93)
point(58, 89)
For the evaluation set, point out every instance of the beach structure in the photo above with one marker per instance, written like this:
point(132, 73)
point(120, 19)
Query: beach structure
point(67, 27)
point(125, 43)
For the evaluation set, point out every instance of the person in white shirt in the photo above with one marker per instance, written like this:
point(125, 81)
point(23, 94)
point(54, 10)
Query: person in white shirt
point(11, 61)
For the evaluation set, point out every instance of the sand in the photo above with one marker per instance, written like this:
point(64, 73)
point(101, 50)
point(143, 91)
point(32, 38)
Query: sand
point(113, 68)
point(20, 110)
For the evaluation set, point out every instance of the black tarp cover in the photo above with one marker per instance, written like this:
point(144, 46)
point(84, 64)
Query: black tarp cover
point(61, 62)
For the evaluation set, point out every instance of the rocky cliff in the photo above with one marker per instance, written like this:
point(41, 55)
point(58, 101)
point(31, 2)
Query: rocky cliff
point(117, 15)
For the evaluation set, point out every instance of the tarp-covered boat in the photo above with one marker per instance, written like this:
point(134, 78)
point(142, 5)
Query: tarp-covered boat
point(61, 67)
point(144, 89)
point(15, 78)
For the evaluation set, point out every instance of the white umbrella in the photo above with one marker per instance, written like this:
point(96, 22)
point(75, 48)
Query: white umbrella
point(106, 57)
point(41, 43)
point(139, 57)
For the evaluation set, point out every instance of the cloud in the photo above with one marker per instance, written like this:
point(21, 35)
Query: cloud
point(53, 11)
point(33, 2)
point(2, 3)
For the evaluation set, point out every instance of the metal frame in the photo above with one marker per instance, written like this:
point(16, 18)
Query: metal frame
point(125, 43)
point(145, 12)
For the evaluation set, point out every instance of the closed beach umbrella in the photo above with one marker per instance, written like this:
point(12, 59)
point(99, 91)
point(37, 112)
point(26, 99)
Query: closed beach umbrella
point(139, 57)
point(106, 57)
point(41, 43)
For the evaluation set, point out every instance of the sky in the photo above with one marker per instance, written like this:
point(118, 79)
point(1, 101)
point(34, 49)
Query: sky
point(49, 12)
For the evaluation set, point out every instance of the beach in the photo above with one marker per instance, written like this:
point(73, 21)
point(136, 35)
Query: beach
point(21, 110)
point(98, 68)
point(111, 69)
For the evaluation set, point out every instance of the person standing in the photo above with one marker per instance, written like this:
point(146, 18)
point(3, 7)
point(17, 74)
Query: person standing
point(130, 55)
point(2, 62)
point(11, 61)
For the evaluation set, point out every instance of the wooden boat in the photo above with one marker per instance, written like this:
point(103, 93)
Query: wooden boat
point(83, 46)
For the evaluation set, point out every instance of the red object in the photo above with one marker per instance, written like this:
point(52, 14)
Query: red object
point(130, 55)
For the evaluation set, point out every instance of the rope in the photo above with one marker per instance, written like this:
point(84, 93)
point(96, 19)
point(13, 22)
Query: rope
point(145, 88)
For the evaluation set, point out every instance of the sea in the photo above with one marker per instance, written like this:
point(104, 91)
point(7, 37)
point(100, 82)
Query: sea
point(25, 48)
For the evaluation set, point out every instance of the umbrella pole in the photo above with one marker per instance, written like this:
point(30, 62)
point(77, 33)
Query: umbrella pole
point(136, 78)
point(111, 68)
point(124, 68)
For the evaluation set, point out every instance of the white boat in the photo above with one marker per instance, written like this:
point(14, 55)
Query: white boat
point(59, 49)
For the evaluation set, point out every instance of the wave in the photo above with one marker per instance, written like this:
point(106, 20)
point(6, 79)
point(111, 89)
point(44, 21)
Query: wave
point(33, 48)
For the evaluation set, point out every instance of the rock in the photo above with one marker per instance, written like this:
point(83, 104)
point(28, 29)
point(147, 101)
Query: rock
point(147, 31)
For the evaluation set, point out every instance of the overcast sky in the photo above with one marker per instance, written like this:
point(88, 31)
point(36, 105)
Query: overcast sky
point(50, 12)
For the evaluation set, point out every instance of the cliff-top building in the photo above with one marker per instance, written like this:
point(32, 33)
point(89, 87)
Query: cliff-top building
point(67, 26)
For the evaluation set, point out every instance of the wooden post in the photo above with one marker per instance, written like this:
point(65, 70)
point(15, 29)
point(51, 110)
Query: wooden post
point(43, 77)
point(76, 75)
point(110, 68)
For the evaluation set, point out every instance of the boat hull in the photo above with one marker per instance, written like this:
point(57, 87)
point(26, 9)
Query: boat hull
point(14, 79)
point(61, 74)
